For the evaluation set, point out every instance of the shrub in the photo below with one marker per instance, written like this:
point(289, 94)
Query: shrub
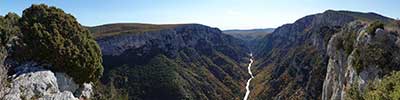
point(108, 92)
point(357, 61)
point(372, 55)
point(9, 27)
point(387, 89)
point(397, 22)
point(349, 41)
point(375, 25)
point(55, 38)
point(354, 93)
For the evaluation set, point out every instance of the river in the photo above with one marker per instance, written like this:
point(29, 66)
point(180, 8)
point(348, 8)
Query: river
point(248, 81)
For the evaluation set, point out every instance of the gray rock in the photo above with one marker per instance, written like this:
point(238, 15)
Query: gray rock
point(32, 81)
point(340, 73)
point(66, 95)
point(86, 91)
point(66, 83)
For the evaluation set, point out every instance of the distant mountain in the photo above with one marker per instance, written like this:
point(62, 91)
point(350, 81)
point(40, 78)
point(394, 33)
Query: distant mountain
point(293, 62)
point(128, 28)
point(173, 62)
point(250, 34)
point(334, 55)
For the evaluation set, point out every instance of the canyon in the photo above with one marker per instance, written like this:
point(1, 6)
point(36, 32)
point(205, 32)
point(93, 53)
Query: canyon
point(47, 54)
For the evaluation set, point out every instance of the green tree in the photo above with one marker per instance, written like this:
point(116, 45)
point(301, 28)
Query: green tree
point(8, 27)
point(55, 39)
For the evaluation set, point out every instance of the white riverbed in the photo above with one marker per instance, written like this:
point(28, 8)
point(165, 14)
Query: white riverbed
point(248, 81)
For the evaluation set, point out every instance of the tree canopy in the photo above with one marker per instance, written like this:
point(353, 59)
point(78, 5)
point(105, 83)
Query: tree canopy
point(56, 39)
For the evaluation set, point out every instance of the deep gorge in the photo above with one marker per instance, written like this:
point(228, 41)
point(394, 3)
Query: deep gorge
point(47, 54)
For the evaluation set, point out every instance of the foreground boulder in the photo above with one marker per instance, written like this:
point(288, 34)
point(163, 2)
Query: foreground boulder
point(31, 81)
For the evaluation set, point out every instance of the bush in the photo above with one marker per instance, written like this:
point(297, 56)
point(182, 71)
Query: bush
point(8, 27)
point(387, 89)
point(54, 38)
point(349, 41)
point(397, 22)
point(375, 25)
point(357, 61)
point(108, 92)
point(354, 93)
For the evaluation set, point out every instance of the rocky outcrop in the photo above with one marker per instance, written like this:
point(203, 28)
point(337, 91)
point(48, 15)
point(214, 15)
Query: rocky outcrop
point(339, 70)
point(86, 92)
point(368, 58)
point(32, 81)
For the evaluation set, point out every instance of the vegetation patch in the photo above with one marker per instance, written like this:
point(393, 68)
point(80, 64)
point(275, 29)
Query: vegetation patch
point(52, 37)
point(375, 25)
point(153, 81)
point(8, 27)
point(386, 89)
point(354, 93)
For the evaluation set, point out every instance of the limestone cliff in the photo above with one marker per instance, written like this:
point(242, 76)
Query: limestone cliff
point(192, 61)
point(293, 61)
point(359, 55)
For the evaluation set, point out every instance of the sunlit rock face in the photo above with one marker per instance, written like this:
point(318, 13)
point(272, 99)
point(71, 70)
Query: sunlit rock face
point(369, 57)
point(339, 70)
point(32, 81)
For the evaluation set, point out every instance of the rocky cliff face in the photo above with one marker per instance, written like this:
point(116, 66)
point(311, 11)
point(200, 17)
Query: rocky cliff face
point(168, 40)
point(292, 61)
point(192, 61)
point(369, 57)
point(339, 70)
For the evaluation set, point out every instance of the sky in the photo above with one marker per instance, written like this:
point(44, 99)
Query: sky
point(224, 14)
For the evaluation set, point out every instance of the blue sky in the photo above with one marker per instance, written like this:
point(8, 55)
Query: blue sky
point(224, 14)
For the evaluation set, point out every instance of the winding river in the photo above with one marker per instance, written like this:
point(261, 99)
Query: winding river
point(248, 81)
